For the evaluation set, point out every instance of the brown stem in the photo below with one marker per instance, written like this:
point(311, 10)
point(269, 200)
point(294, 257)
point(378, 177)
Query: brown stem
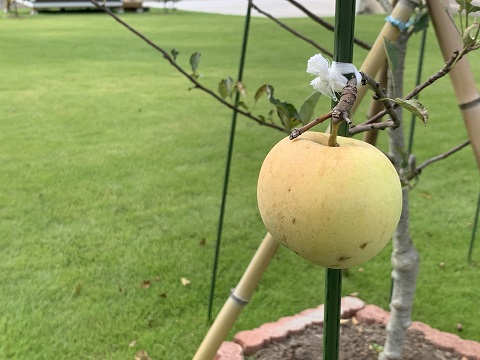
point(381, 95)
point(325, 24)
point(318, 120)
point(171, 60)
point(433, 159)
point(357, 129)
point(441, 73)
point(295, 33)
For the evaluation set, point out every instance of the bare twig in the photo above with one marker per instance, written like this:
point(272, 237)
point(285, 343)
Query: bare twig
point(357, 129)
point(318, 120)
point(185, 73)
point(418, 169)
point(325, 24)
point(441, 73)
point(295, 33)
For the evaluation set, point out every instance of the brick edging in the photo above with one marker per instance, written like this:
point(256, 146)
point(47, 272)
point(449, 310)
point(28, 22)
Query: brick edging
point(248, 342)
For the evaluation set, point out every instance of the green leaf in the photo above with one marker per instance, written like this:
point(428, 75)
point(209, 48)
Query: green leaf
point(262, 90)
point(287, 113)
point(307, 108)
point(195, 61)
point(225, 87)
point(242, 90)
point(415, 107)
point(421, 22)
point(466, 5)
point(470, 35)
point(174, 53)
point(241, 104)
point(391, 52)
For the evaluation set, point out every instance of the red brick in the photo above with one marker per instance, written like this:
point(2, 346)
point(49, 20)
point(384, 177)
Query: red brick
point(229, 351)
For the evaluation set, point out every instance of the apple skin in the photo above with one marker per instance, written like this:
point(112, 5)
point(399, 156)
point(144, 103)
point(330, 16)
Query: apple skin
point(337, 207)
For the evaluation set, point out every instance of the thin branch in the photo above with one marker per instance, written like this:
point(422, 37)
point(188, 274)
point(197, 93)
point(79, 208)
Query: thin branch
point(192, 79)
point(357, 129)
point(295, 33)
point(318, 120)
point(430, 161)
point(441, 73)
point(325, 24)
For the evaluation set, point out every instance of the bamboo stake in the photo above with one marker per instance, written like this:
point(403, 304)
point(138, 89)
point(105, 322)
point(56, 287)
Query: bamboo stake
point(463, 82)
point(240, 296)
point(376, 56)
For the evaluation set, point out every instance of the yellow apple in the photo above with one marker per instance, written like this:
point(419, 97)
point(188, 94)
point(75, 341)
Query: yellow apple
point(337, 207)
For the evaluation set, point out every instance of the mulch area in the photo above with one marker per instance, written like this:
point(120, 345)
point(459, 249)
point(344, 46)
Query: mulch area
point(357, 341)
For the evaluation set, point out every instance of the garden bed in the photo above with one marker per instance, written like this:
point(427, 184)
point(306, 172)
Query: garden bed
point(362, 333)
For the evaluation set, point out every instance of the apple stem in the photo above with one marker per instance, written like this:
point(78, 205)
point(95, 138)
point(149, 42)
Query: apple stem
point(341, 112)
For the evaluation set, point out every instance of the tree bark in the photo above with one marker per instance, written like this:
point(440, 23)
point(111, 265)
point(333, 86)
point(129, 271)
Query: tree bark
point(405, 259)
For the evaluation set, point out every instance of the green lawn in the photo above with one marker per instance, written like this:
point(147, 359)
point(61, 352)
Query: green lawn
point(111, 176)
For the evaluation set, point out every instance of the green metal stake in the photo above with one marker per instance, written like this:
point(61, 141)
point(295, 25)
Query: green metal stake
point(343, 52)
point(228, 162)
point(474, 230)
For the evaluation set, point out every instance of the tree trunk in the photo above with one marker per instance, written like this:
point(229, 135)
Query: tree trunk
point(405, 259)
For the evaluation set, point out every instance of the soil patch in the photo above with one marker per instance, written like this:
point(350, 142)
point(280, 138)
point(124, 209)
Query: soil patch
point(357, 342)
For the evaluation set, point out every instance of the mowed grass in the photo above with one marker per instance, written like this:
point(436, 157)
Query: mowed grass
point(111, 177)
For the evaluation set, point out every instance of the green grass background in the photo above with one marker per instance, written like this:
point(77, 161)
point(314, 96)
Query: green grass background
point(111, 173)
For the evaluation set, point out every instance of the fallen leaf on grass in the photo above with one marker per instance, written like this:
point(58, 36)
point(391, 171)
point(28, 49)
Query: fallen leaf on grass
point(157, 278)
point(459, 327)
point(185, 281)
point(142, 355)
point(203, 242)
point(426, 195)
point(132, 343)
point(146, 284)
point(354, 294)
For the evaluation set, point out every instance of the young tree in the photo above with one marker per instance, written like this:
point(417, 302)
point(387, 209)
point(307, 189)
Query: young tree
point(405, 259)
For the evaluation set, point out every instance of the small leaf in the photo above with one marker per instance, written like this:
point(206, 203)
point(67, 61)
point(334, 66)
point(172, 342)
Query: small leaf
point(185, 281)
point(415, 107)
point(132, 343)
point(470, 35)
point(225, 87)
point(306, 111)
point(145, 284)
point(421, 22)
point(195, 61)
point(391, 52)
point(243, 105)
point(376, 347)
point(240, 87)
point(142, 355)
point(174, 53)
point(262, 90)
